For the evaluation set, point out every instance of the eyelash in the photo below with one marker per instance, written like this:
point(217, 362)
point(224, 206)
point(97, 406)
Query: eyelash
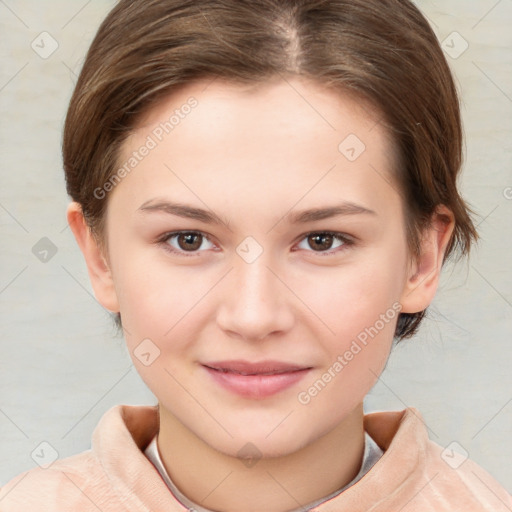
point(164, 239)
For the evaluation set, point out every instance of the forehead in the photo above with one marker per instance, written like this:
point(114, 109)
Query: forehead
point(288, 136)
point(298, 100)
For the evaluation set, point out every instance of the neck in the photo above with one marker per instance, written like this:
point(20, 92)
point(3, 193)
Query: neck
point(221, 482)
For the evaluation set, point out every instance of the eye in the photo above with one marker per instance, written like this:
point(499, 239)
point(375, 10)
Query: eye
point(183, 242)
point(323, 241)
point(188, 243)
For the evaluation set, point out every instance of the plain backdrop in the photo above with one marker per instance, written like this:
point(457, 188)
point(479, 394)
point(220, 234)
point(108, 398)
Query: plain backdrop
point(62, 365)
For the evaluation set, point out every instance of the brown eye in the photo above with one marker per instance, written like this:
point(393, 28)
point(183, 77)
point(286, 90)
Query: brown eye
point(189, 241)
point(326, 243)
point(320, 241)
point(186, 243)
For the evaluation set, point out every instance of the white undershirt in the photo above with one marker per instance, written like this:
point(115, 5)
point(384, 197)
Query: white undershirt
point(372, 453)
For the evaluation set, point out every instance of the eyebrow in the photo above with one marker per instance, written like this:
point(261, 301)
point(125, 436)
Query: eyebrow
point(299, 217)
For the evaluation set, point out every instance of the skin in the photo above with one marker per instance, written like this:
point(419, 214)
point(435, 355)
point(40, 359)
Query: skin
point(252, 155)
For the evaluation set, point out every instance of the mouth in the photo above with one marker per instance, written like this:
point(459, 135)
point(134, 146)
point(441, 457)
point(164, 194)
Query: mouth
point(255, 380)
point(261, 368)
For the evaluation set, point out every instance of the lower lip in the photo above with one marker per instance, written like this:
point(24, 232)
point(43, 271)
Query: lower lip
point(256, 386)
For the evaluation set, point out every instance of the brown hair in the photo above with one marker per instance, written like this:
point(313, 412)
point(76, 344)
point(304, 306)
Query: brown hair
point(382, 50)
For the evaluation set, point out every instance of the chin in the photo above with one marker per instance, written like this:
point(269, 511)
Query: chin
point(255, 440)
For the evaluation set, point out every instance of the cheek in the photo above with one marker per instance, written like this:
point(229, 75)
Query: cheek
point(363, 321)
point(360, 306)
point(161, 312)
point(354, 297)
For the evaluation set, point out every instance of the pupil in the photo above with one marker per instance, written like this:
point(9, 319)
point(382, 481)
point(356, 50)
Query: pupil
point(323, 238)
point(188, 238)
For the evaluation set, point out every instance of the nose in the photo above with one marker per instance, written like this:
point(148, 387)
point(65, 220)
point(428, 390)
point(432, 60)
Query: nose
point(254, 301)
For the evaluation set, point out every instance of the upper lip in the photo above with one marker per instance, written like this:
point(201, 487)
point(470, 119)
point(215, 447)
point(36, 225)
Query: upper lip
point(250, 368)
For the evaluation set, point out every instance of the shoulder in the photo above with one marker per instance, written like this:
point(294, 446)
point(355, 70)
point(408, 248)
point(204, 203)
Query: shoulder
point(62, 485)
point(420, 475)
point(457, 479)
point(101, 478)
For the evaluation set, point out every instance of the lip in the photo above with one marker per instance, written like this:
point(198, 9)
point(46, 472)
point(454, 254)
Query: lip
point(255, 380)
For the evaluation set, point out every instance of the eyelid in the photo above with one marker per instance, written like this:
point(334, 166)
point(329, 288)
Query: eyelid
point(348, 241)
point(163, 239)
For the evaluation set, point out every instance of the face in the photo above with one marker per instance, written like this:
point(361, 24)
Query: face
point(267, 316)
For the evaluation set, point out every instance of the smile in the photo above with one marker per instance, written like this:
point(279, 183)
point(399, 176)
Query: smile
point(255, 380)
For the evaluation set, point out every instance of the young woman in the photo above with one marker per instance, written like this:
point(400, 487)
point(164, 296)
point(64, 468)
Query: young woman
point(265, 193)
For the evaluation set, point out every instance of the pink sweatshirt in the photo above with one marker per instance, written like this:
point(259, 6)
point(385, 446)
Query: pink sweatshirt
point(413, 475)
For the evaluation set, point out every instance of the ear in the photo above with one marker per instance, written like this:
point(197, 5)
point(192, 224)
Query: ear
point(97, 266)
point(424, 272)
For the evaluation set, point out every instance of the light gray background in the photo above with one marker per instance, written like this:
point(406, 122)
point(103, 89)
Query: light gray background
point(62, 366)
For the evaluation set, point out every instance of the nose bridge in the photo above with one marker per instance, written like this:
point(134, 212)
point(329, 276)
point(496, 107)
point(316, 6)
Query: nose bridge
point(251, 272)
point(255, 280)
point(254, 305)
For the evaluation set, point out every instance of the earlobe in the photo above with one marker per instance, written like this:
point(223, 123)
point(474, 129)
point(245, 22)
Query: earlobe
point(97, 266)
point(424, 273)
